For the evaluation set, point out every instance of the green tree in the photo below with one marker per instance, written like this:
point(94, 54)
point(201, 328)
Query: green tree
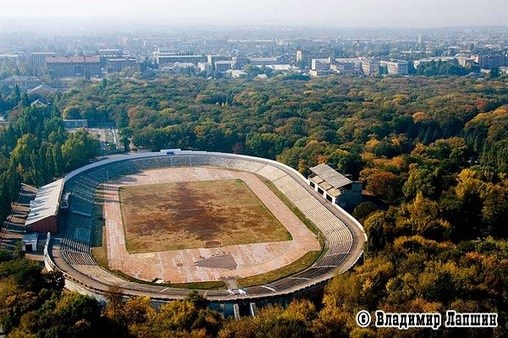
point(71, 113)
point(79, 148)
point(363, 210)
point(377, 232)
point(383, 184)
point(424, 181)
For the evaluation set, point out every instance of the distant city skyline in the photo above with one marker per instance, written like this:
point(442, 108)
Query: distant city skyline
point(326, 13)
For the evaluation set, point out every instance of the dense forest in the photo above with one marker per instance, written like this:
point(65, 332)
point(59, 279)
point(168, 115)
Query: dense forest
point(432, 153)
point(36, 149)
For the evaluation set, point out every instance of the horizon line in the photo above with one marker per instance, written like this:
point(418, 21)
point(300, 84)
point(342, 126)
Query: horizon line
point(82, 21)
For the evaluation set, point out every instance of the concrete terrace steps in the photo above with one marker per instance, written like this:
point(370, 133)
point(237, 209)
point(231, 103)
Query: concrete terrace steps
point(71, 245)
point(76, 253)
point(78, 258)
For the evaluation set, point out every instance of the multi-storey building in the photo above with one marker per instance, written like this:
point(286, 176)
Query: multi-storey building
point(38, 59)
point(466, 60)
point(396, 67)
point(9, 60)
point(73, 66)
point(320, 64)
point(214, 58)
point(320, 67)
point(117, 65)
point(492, 60)
point(265, 61)
point(109, 53)
point(24, 83)
point(184, 68)
point(162, 58)
point(419, 62)
point(370, 67)
point(346, 66)
point(222, 66)
point(240, 62)
point(304, 57)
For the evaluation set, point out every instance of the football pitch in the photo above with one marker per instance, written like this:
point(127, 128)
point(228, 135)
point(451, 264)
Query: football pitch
point(197, 214)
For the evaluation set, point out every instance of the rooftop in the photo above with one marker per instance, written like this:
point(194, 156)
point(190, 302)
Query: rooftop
point(178, 65)
point(264, 59)
point(121, 59)
point(8, 55)
point(332, 177)
point(395, 61)
point(165, 55)
point(19, 78)
point(73, 59)
point(45, 203)
point(42, 89)
point(33, 236)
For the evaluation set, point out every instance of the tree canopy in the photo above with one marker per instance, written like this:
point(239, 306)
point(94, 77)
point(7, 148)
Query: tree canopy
point(432, 154)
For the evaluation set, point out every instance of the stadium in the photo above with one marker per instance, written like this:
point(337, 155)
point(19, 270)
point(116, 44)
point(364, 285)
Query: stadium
point(144, 262)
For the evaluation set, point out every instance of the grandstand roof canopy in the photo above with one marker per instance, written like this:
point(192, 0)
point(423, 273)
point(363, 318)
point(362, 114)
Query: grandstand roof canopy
point(317, 179)
point(45, 203)
point(330, 176)
point(334, 192)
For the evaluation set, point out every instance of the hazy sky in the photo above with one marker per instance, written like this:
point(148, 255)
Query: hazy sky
point(338, 13)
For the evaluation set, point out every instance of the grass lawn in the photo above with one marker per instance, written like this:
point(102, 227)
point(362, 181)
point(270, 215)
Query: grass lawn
point(304, 262)
point(187, 215)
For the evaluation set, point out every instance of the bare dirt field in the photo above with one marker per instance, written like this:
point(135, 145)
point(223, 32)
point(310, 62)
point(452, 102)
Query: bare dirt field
point(203, 263)
point(186, 215)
